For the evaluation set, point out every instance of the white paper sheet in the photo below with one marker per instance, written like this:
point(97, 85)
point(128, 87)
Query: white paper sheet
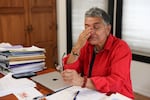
point(84, 94)
point(8, 84)
point(27, 93)
point(118, 96)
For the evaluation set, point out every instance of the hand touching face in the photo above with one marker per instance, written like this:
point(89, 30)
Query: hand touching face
point(99, 30)
point(83, 37)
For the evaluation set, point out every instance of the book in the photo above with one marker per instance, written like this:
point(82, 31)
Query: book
point(29, 67)
point(25, 61)
point(22, 58)
point(34, 67)
point(3, 59)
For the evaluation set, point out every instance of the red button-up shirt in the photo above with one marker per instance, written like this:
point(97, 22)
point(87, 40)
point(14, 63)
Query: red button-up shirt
point(111, 68)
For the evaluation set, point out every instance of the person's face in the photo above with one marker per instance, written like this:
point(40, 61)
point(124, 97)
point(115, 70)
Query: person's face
point(100, 31)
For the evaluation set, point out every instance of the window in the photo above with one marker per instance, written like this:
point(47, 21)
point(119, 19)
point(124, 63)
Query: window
point(135, 25)
point(134, 28)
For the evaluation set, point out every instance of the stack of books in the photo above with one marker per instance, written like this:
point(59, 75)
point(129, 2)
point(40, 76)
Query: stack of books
point(18, 59)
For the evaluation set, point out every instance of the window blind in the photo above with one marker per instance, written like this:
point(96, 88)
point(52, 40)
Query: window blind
point(135, 25)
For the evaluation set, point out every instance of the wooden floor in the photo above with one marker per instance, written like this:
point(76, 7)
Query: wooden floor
point(140, 97)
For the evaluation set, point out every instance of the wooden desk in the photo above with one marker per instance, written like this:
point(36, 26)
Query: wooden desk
point(39, 87)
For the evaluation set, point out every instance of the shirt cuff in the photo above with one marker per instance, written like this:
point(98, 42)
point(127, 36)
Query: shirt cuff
point(72, 65)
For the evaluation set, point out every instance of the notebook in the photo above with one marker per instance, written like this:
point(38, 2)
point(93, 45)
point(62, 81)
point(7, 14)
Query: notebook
point(51, 80)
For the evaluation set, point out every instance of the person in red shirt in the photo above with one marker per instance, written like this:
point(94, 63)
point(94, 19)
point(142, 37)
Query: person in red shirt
point(98, 59)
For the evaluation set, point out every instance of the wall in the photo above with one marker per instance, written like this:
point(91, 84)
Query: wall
point(61, 32)
point(140, 72)
point(140, 75)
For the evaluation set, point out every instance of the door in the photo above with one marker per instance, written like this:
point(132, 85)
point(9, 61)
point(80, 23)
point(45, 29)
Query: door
point(30, 22)
point(42, 18)
point(13, 20)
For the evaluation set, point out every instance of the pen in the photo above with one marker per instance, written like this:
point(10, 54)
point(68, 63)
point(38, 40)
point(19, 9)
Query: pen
point(60, 67)
point(62, 61)
point(75, 97)
point(41, 97)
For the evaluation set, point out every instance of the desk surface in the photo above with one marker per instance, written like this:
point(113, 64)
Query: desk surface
point(39, 87)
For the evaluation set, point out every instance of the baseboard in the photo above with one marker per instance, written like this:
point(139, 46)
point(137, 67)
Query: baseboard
point(142, 91)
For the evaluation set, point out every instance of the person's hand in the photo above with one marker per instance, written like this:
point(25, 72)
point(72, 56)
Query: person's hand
point(83, 37)
point(72, 77)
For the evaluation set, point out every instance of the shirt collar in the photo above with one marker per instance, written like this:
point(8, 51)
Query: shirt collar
point(109, 42)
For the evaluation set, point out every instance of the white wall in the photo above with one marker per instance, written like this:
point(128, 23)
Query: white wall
point(140, 75)
point(61, 32)
point(140, 72)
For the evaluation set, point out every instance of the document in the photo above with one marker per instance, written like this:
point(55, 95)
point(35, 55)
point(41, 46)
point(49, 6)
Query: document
point(84, 94)
point(117, 96)
point(78, 93)
point(9, 85)
point(19, 48)
point(27, 93)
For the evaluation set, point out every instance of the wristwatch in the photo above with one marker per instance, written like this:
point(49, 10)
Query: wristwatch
point(75, 53)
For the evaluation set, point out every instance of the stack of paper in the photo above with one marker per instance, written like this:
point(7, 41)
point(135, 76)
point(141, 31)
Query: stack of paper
point(10, 85)
point(22, 59)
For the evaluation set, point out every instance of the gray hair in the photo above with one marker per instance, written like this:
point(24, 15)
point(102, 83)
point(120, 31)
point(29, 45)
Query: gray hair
point(97, 12)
